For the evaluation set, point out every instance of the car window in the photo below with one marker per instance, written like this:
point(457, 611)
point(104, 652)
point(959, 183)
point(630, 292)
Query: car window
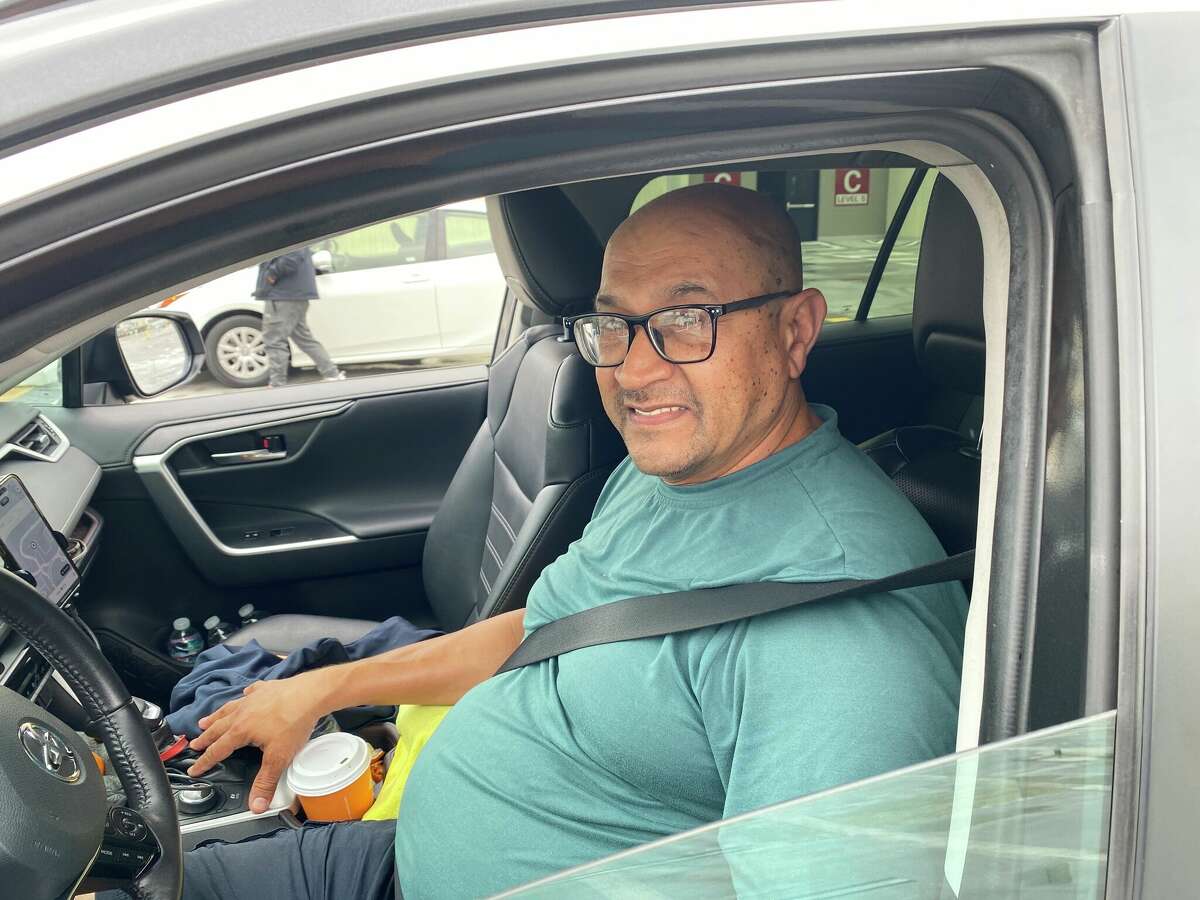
point(842, 216)
point(397, 243)
point(42, 388)
point(898, 286)
point(1032, 811)
point(467, 234)
point(355, 304)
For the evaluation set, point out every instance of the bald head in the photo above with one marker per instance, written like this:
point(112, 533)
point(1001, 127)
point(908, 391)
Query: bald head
point(756, 231)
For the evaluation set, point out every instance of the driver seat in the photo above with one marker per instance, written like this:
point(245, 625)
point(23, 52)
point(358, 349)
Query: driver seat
point(531, 477)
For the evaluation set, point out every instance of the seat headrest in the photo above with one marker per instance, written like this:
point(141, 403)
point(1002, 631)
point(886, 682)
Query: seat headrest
point(948, 305)
point(549, 254)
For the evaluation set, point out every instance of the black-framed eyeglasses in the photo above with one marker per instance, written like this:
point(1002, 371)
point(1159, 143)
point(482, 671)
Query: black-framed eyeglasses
point(679, 334)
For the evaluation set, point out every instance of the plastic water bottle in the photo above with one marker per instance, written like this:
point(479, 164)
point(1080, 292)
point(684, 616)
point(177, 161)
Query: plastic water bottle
point(249, 615)
point(185, 642)
point(218, 631)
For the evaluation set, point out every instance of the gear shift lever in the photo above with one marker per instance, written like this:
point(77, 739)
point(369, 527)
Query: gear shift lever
point(169, 745)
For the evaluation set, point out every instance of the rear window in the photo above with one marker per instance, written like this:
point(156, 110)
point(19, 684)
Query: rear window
point(842, 216)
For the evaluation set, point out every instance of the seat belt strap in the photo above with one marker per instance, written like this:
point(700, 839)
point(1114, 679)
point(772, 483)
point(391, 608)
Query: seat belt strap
point(662, 614)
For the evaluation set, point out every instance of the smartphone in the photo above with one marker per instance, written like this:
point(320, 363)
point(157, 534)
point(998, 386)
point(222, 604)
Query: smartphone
point(28, 547)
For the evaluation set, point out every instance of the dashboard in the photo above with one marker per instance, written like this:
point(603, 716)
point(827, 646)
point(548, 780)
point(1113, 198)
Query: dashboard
point(60, 480)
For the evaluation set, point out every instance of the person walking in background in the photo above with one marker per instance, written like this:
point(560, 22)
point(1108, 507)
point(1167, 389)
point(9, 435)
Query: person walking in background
point(285, 285)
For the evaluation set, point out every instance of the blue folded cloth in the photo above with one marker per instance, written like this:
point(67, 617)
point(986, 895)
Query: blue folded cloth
point(221, 673)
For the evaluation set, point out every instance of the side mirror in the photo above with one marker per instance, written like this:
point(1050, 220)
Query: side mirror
point(322, 261)
point(146, 354)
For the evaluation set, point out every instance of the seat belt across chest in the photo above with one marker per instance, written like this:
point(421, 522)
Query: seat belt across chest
point(663, 614)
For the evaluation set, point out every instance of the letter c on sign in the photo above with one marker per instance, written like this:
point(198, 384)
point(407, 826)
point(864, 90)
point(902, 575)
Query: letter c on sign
point(852, 181)
point(734, 178)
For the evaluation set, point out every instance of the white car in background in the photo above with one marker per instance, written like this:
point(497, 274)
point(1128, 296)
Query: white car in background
point(423, 286)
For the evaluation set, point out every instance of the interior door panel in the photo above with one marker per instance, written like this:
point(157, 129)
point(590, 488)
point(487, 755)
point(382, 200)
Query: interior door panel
point(357, 488)
point(110, 434)
point(868, 372)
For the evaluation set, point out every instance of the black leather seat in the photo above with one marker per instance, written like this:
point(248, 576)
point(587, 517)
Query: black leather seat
point(530, 479)
point(937, 465)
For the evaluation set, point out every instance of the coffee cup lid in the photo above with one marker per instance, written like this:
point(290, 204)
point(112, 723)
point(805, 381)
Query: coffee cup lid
point(327, 764)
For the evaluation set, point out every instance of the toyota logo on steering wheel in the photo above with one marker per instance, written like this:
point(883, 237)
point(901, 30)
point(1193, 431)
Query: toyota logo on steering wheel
point(50, 752)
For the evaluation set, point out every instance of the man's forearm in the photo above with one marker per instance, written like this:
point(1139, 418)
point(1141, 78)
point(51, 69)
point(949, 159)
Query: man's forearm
point(433, 672)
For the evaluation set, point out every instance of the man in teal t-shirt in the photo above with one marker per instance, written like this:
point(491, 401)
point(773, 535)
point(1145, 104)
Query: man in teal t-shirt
point(732, 477)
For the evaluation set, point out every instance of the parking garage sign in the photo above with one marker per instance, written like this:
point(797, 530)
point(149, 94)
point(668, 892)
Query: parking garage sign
point(852, 187)
point(734, 178)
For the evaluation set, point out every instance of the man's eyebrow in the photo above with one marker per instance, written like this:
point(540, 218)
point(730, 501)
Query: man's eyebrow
point(683, 289)
point(689, 287)
point(606, 300)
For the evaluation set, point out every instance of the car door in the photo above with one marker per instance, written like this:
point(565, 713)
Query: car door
point(377, 302)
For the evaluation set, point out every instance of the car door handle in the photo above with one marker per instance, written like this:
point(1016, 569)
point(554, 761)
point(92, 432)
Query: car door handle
point(242, 457)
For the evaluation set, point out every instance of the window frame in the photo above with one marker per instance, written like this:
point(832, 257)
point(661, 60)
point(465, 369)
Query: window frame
point(1014, 163)
point(1011, 162)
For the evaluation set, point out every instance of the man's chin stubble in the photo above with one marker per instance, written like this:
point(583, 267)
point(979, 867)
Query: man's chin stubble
point(685, 465)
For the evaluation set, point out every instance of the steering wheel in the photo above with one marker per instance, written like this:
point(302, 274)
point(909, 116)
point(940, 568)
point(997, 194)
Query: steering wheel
point(55, 827)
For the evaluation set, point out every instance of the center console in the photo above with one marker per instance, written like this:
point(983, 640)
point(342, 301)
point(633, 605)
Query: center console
point(216, 804)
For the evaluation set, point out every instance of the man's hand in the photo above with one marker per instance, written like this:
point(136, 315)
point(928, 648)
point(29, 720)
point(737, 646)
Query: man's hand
point(278, 716)
point(275, 716)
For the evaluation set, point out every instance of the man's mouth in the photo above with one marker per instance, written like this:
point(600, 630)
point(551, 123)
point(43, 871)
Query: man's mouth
point(656, 415)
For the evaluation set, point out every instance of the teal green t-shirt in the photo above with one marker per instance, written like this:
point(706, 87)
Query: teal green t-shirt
point(574, 758)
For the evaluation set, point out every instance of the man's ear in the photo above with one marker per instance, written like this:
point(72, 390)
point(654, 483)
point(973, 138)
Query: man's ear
point(801, 317)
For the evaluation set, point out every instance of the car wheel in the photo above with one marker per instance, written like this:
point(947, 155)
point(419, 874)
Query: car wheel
point(236, 353)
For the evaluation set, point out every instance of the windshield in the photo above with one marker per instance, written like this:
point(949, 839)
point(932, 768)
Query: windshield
point(1032, 812)
point(42, 388)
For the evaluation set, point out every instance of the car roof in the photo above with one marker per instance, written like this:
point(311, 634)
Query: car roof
point(220, 82)
point(185, 47)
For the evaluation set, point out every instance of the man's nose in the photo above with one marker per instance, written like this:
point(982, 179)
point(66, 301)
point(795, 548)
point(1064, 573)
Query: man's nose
point(642, 365)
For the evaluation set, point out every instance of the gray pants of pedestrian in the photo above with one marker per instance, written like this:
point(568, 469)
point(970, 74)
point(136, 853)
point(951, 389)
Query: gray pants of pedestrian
point(284, 319)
